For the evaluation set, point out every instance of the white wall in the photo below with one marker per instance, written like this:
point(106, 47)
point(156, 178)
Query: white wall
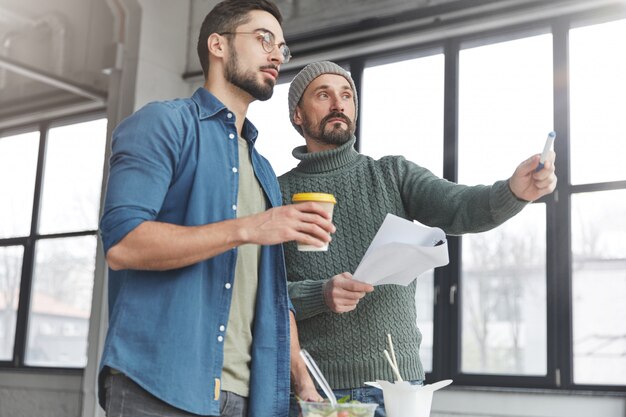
point(38, 394)
point(162, 51)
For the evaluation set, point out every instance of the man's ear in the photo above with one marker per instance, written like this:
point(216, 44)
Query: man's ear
point(297, 117)
point(216, 45)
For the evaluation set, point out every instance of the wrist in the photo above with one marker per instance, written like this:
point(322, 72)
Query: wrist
point(241, 232)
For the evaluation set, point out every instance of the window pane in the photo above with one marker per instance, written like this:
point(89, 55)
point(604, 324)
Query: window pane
point(598, 102)
point(402, 111)
point(424, 301)
point(10, 274)
point(73, 177)
point(505, 106)
point(505, 114)
point(503, 297)
point(61, 302)
point(277, 137)
point(411, 127)
point(18, 167)
point(598, 287)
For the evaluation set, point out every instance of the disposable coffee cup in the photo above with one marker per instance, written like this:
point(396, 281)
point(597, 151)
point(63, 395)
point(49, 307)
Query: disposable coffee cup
point(327, 201)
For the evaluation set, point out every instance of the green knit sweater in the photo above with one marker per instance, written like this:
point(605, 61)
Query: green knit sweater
point(349, 347)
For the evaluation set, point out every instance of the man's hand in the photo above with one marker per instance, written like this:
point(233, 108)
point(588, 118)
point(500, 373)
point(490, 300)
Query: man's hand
point(342, 293)
point(529, 185)
point(307, 223)
point(307, 392)
point(303, 385)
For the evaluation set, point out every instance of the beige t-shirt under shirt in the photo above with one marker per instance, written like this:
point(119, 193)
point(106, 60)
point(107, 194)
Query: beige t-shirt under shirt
point(238, 341)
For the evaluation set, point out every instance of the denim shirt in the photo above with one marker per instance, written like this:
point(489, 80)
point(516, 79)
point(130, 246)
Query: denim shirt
point(174, 162)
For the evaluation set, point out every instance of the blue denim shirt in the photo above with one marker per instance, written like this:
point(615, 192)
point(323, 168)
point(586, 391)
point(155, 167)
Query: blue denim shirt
point(173, 162)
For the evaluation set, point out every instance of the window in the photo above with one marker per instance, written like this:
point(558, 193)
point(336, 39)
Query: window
point(10, 273)
point(48, 242)
point(18, 159)
point(505, 114)
point(535, 302)
point(598, 287)
point(277, 137)
point(503, 295)
point(402, 111)
point(598, 203)
point(402, 114)
point(598, 105)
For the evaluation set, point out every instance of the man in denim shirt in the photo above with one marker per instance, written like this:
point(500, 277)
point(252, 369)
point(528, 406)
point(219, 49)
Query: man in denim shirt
point(199, 315)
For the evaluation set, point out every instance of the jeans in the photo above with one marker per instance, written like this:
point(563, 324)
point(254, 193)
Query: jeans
point(365, 394)
point(124, 398)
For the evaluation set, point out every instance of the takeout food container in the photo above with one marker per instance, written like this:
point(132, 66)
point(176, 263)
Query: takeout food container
point(326, 409)
point(403, 399)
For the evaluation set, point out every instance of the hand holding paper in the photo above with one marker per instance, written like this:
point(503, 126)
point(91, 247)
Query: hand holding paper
point(401, 251)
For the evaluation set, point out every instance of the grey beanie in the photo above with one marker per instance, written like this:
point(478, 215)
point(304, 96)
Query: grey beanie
point(306, 76)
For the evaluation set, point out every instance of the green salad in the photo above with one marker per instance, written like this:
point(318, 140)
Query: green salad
point(344, 408)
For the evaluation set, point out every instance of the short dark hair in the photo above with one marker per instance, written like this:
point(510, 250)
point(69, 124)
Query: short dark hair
point(226, 17)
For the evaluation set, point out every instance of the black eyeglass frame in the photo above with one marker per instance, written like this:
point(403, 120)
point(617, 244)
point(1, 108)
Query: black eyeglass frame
point(267, 42)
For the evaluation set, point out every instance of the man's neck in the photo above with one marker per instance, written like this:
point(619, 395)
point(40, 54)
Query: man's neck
point(235, 99)
point(313, 145)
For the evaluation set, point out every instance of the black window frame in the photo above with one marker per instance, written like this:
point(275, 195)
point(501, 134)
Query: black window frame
point(447, 337)
point(29, 242)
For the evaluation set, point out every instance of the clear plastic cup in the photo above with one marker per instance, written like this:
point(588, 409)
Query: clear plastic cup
point(325, 409)
point(327, 201)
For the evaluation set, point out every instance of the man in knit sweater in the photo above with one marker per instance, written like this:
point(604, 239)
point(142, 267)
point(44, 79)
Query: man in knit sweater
point(342, 322)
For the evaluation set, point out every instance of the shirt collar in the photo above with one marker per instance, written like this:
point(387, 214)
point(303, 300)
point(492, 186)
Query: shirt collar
point(327, 160)
point(209, 106)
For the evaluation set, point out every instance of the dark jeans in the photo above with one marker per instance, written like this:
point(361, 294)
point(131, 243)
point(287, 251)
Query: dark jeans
point(124, 398)
point(365, 394)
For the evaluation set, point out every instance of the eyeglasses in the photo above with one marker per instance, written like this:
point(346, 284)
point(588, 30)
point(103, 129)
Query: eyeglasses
point(267, 42)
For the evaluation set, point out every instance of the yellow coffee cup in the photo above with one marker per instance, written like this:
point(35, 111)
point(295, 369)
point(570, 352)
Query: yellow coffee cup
point(327, 201)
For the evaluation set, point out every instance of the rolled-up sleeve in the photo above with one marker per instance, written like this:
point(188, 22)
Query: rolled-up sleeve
point(145, 150)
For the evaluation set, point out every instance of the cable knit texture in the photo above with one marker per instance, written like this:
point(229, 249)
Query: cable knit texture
point(349, 347)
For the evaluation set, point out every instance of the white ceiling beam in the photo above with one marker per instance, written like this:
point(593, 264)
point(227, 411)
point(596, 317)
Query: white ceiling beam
point(53, 80)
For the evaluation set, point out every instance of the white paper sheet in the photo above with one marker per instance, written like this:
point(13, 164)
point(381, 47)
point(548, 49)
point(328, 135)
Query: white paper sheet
point(401, 251)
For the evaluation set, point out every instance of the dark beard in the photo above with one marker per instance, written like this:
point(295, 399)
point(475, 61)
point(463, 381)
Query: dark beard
point(335, 136)
point(247, 81)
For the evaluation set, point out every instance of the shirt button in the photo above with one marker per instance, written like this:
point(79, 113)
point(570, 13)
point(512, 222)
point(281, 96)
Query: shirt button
point(220, 339)
point(231, 136)
point(234, 169)
point(234, 206)
point(222, 328)
point(229, 115)
point(227, 285)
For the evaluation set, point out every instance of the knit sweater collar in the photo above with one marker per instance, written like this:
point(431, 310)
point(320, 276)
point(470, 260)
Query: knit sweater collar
point(325, 161)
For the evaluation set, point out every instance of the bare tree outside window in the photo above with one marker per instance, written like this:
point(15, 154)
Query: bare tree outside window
point(60, 306)
point(503, 297)
point(10, 274)
point(598, 287)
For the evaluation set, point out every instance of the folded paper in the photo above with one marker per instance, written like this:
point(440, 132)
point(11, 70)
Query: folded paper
point(401, 251)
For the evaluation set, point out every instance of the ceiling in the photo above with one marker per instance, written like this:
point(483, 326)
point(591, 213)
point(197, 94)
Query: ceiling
point(54, 54)
point(52, 57)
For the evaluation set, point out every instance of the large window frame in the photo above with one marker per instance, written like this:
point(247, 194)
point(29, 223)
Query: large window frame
point(29, 241)
point(447, 315)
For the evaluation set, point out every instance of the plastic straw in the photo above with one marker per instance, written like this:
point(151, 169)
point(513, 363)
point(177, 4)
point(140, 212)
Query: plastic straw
point(319, 377)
